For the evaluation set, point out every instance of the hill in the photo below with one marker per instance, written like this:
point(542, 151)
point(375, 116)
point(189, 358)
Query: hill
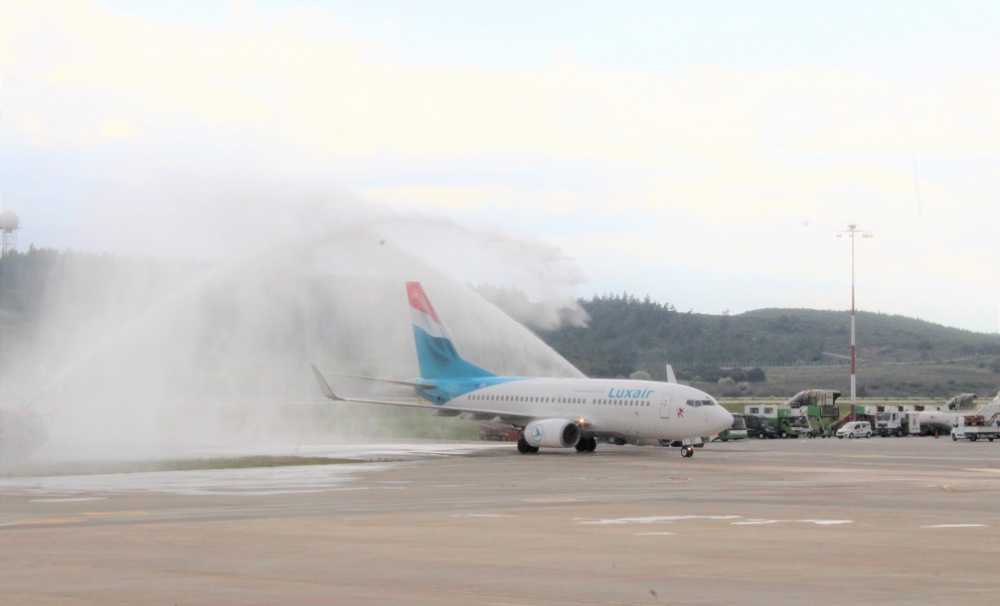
point(898, 355)
point(758, 353)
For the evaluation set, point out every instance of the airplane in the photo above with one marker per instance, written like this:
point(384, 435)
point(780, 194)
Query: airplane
point(549, 412)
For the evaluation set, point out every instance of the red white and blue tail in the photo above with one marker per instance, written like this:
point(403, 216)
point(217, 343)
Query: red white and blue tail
point(436, 354)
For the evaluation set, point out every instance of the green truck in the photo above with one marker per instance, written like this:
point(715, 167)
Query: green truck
point(736, 431)
point(810, 413)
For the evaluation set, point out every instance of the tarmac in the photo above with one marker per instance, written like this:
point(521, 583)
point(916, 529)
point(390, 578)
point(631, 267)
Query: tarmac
point(884, 520)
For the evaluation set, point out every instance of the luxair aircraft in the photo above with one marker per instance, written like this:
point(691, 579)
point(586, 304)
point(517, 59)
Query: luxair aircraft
point(553, 412)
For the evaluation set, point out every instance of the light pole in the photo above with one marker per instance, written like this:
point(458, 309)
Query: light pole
point(853, 232)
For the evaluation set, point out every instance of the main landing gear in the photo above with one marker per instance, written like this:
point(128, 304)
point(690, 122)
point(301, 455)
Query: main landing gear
point(587, 444)
point(524, 448)
point(687, 451)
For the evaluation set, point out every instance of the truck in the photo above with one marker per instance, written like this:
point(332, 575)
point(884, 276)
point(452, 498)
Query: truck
point(810, 413)
point(759, 427)
point(939, 420)
point(976, 427)
point(897, 423)
point(814, 411)
point(764, 421)
point(737, 431)
point(495, 431)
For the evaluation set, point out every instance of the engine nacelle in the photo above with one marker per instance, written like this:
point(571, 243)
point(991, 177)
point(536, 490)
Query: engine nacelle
point(552, 433)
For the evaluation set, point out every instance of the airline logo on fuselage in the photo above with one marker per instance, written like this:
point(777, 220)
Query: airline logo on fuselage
point(629, 393)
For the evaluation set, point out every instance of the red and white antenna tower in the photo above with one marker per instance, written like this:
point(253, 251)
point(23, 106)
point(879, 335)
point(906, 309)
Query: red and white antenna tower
point(853, 232)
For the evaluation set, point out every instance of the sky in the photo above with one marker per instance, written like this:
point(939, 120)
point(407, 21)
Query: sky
point(706, 154)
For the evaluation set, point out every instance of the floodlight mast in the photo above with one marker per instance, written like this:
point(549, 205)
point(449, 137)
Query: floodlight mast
point(852, 232)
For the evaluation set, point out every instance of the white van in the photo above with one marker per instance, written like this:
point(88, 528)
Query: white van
point(855, 429)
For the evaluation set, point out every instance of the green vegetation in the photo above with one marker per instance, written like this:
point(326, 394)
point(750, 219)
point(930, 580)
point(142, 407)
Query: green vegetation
point(762, 352)
point(777, 351)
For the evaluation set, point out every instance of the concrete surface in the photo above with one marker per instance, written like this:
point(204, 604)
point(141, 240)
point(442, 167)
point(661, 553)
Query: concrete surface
point(888, 521)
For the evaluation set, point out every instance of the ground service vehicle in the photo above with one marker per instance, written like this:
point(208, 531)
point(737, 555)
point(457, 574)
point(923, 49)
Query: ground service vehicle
point(855, 429)
point(736, 431)
point(810, 413)
point(976, 427)
point(762, 422)
point(494, 431)
point(819, 408)
point(897, 423)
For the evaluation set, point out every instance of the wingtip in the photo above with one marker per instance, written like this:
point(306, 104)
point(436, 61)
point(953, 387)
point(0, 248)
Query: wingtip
point(323, 385)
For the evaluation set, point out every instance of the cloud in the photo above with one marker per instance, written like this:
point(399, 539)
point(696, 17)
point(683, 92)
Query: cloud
point(716, 161)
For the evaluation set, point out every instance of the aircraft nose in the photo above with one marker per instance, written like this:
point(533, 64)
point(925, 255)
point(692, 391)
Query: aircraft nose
point(723, 418)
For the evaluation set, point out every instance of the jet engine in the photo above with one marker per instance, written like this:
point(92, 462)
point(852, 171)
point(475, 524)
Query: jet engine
point(552, 433)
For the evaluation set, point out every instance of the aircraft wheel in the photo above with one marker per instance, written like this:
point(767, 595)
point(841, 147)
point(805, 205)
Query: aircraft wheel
point(586, 444)
point(524, 448)
point(687, 452)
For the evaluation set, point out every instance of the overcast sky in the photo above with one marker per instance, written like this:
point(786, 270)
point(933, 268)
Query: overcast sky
point(703, 153)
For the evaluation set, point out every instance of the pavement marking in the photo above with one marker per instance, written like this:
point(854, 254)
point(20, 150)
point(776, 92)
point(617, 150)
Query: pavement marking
point(115, 514)
point(653, 534)
point(551, 500)
point(766, 522)
point(654, 519)
point(955, 526)
point(46, 521)
point(68, 500)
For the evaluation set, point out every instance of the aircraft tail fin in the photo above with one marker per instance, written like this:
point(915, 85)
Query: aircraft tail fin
point(436, 353)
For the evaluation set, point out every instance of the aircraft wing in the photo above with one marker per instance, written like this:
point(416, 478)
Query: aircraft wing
point(414, 383)
point(478, 413)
